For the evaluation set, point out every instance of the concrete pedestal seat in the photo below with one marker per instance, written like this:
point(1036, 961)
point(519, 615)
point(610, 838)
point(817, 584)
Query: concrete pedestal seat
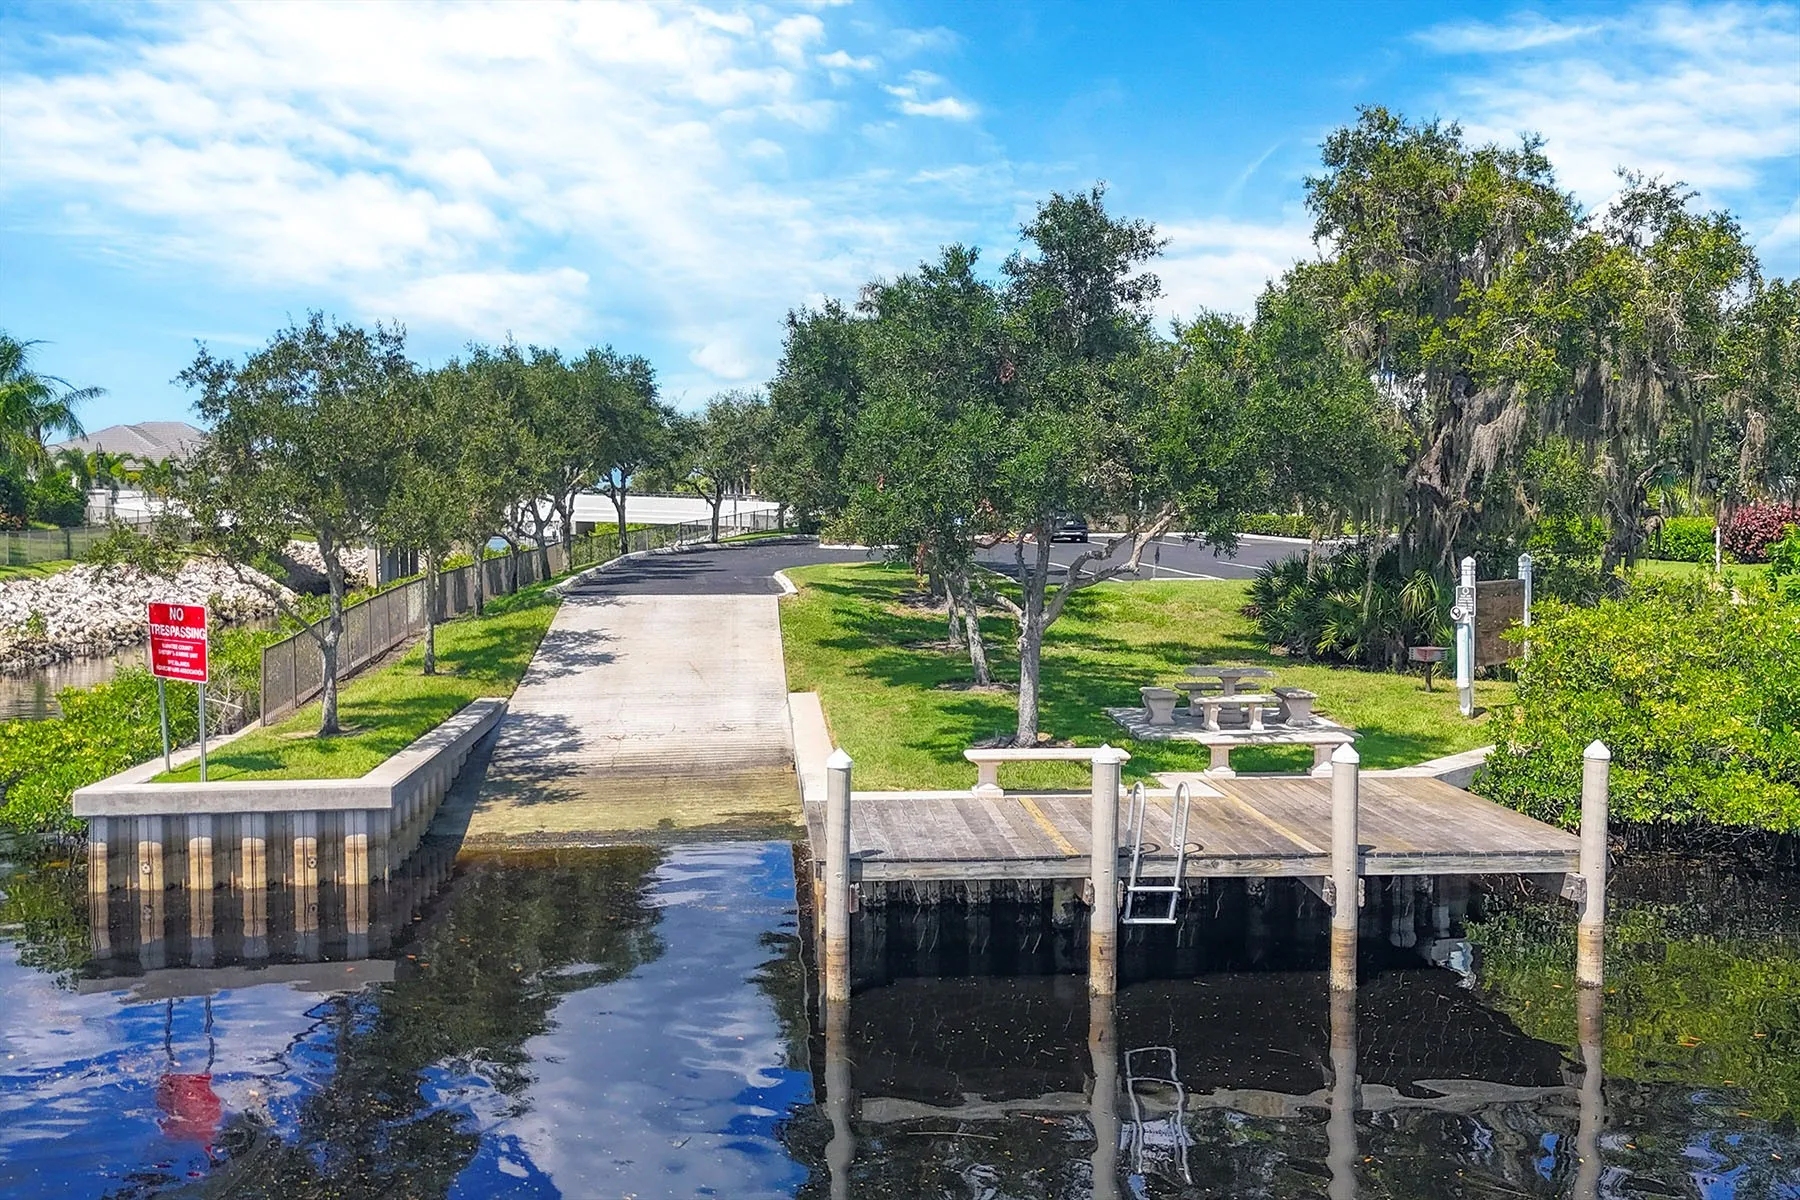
point(1159, 702)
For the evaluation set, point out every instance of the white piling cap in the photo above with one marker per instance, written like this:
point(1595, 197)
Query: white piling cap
point(1110, 754)
point(1597, 751)
point(1346, 753)
point(839, 761)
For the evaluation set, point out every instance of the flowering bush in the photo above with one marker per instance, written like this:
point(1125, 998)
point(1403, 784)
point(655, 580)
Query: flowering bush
point(1755, 526)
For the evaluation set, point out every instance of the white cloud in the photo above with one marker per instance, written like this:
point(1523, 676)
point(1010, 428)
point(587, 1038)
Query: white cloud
point(1224, 265)
point(790, 38)
point(544, 307)
point(1528, 32)
point(1710, 97)
point(841, 60)
point(482, 168)
point(904, 42)
point(914, 104)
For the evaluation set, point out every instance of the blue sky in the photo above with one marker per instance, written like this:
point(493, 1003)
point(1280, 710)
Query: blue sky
point(673, 178)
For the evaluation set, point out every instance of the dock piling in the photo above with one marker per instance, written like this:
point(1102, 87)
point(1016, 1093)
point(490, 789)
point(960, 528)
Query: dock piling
point(1346, 899)
point(1103, 915)
point(199, 852)
point(837, 877)
point(1590, 1013)
point(1103, 1103)
point(1590, 959)
point(99, 829)
point(1340, 1128)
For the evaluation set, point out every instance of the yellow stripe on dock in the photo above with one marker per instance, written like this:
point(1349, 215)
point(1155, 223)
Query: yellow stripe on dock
point(1049, 827)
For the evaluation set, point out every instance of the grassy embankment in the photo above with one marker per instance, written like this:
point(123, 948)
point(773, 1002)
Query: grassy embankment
point(36, 570)
point(386, 709)
point(895, 699)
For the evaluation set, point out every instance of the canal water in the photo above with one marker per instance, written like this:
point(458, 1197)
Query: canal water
point(638, 1022)
point(31, 695)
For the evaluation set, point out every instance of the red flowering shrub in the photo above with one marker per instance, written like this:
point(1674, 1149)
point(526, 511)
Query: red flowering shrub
point(1753, 528)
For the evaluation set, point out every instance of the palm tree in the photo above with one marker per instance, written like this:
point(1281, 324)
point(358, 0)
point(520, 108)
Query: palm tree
point(98, 469)
point(32, 406)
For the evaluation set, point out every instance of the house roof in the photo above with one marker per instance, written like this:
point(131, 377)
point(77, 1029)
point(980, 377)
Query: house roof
point(153, 441)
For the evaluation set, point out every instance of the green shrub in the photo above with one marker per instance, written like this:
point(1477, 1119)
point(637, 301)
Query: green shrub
point(1277, 525)
point(1683, 539)
point(1324, 613)
point(55, 500)
point(14, 505)
point(1696, 693)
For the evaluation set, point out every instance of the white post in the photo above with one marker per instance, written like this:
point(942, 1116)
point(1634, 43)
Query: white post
point(1346, 871)
point(1589, 934)
point(203, 732)
point(1464, 612)
point(1718, 546)
point(837, 877)
point(1103, 917)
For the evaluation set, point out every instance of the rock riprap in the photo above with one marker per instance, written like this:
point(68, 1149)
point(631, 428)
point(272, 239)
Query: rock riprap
point(88, 610)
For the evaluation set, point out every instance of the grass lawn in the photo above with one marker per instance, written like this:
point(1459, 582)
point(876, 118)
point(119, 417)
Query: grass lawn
point(1668, 570)
point(385, 710)
point(35, 570)
point(850, 636)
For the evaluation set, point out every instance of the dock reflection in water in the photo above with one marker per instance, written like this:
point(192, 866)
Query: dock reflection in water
point(967, 1073)
point(635, 1020)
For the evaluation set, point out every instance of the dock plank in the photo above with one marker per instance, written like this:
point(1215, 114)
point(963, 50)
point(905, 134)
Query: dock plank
point(1244, 827)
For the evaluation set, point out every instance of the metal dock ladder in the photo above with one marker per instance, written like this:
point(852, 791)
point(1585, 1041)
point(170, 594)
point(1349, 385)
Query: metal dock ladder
point(1166, 1138)
point(1135, 886)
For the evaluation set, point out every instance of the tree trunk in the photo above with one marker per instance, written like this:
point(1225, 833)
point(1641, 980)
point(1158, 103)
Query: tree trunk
point(618, 500)
point(480, 575)
point(972, 630)
point(431, 614)
point(952, 623)
point(717, 503)
point(334, 632)
point(1031, 637)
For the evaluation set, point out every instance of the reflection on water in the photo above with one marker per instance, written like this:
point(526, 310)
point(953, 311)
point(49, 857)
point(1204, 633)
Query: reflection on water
point(31, 695)
point(634, 1021)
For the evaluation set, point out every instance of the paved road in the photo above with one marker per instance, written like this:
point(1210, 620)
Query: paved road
point(655, 705)
point(1169, 558)
point(749, 571)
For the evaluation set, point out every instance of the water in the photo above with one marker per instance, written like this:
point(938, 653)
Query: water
point(31, 695)
point(635, 1022)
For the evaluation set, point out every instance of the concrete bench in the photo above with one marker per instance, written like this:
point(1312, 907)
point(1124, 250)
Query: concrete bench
point(1207, 706)
point(1159, 702)
point(987, 762)
point(1323, 740)
point(1296, 706)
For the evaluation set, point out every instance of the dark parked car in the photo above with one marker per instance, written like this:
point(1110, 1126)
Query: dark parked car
point(1069, 529)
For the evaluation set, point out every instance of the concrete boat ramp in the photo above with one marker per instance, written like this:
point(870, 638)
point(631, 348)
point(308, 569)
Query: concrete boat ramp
point(656, 706)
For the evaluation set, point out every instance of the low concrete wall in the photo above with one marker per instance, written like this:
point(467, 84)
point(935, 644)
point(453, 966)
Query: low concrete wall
point(299, 831)
point(1457, 770)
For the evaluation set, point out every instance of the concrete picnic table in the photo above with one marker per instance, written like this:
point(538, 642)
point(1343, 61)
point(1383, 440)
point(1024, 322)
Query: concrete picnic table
point(1228, 677)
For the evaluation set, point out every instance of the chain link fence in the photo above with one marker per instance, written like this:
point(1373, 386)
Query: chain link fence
point(293, 669)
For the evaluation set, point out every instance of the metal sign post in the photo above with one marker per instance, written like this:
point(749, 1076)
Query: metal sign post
point(178, 651)
point(162, 711)
point(1525, 578)
point(1463, 613)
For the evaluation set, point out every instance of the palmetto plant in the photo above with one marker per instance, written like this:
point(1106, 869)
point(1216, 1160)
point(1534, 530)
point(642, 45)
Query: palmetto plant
point(1341, 609)
point(33, 406)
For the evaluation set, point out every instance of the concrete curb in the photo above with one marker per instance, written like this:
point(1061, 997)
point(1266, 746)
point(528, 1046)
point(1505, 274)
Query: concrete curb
point(1457, 770)
point(787, 585)
point(417, 769)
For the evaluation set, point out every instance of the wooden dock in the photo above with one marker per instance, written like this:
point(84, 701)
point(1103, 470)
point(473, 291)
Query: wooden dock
point(1258, 827)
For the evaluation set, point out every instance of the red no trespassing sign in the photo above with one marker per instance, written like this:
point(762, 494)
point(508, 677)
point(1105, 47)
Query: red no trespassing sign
point(178, 642)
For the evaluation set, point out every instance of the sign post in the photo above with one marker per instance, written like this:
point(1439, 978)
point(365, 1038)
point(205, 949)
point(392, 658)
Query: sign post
point(1463, 613)
point(1525, 578)
point(178, 651)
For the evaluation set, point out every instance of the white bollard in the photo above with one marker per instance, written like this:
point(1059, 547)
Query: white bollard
point(837, 877)
point(1103, 917)
point(1590, 934)
point(1346, 855)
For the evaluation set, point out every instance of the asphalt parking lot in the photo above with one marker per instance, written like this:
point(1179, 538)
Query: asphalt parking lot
point(1169, 558)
